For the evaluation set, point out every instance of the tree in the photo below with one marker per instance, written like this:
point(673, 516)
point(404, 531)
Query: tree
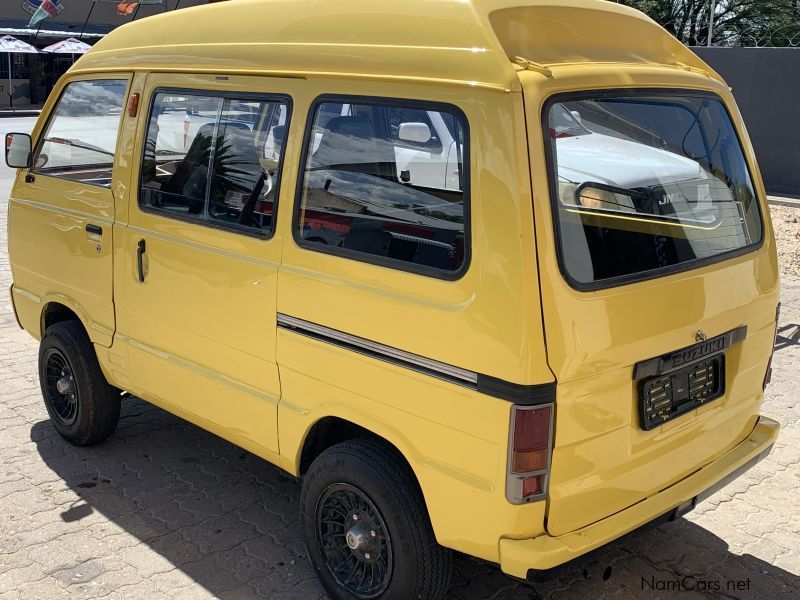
point(736, 22)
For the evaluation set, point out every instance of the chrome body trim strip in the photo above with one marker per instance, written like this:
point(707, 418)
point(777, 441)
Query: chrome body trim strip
point(394, 355)
point(520, 394)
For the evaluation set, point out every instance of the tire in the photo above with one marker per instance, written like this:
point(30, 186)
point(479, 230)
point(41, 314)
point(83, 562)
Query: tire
point(390, 549)
point(83, 407)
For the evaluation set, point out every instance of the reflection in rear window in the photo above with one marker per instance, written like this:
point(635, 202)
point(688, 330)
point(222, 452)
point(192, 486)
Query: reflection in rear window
point(647, 183)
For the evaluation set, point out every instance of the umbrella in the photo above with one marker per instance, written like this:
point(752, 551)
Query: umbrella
point(11, 45)
point(68, 46)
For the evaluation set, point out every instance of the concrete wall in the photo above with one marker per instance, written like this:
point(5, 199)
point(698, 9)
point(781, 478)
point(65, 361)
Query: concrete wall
point(766, 84)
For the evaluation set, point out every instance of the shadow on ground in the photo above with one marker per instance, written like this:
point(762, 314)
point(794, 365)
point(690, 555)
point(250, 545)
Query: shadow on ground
point(228, 519)
point(787, 335)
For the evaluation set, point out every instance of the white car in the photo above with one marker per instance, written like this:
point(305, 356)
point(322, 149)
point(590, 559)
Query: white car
point(602, 171)
point(584, 157)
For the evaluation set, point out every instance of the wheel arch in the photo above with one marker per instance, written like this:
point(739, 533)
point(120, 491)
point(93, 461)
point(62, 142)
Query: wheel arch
point(59, 308)
point(56, 312)
point(331, 429)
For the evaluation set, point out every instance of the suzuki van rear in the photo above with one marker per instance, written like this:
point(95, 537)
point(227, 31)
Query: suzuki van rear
point(490, 278)
point(658, 332)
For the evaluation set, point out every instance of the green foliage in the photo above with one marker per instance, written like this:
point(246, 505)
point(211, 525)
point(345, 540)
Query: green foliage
point(736, 22)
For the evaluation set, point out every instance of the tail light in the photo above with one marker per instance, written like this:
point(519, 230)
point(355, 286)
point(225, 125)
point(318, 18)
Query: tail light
point(530, 449)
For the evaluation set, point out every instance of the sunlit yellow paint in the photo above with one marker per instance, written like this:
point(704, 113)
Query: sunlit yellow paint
point(199, 338)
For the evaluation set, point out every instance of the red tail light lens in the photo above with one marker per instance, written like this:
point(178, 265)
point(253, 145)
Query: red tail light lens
point(529, 454)
point(531, 485)
point(531, 440)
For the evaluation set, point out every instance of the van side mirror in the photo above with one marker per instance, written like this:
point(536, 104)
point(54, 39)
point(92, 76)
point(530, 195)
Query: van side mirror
point(18, 150)
point(417, 133)
point(577, 116)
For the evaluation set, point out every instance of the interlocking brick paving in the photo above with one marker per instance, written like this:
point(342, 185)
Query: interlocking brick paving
point(166, 510)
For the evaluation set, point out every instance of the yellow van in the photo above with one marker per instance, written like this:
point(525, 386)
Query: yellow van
point(492, 278)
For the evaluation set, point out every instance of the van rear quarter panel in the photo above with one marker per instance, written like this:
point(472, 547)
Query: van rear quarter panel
point(487, 321)
point(603, 461)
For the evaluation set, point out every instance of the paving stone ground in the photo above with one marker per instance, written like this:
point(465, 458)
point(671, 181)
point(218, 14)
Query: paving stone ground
point(166, 510)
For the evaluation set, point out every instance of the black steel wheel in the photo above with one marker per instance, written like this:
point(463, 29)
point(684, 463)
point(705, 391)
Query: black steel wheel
point(355, 541)
point(82, 405)
point(60, 392)
point(366, 526)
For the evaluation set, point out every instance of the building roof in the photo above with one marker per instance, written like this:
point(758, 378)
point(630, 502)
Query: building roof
point(466, 42)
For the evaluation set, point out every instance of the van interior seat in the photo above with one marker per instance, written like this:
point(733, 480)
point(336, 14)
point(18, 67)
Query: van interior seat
point(236, 161)
point(277, 137)
point(188, 178)
point(236, 164)
point(351, 144)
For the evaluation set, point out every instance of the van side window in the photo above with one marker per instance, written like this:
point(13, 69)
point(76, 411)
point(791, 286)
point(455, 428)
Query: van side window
point(383, 183)
point(81, 136)
point(214, 159)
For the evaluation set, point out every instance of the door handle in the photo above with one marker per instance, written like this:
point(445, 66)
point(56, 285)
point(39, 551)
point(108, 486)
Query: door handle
point(141, 248)
point(95, 229)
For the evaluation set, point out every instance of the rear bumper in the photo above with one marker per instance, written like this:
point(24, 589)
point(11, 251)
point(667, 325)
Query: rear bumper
point(517, 557)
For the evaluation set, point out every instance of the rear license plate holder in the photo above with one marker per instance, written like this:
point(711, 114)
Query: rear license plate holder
point(672, 394)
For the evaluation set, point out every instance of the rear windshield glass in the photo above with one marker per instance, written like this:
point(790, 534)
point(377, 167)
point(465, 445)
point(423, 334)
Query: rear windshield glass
point(647, 184)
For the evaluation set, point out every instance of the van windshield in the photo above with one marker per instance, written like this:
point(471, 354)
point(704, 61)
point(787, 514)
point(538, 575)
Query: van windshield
point(645, 184)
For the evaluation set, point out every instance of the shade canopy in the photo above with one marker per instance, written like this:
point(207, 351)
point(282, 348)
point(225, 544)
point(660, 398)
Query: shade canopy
point(68, 46)
point(8, 43)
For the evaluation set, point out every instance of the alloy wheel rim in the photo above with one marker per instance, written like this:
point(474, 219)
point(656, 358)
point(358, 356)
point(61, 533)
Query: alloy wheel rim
point(354, 540)
point(61, 392)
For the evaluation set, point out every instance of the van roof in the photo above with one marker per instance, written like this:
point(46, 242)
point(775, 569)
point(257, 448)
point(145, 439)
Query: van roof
point(465, 42)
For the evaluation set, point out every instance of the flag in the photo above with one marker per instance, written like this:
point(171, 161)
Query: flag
point(126, 7)
point(47, 8)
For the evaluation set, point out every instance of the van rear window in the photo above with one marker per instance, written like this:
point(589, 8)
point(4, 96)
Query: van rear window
point(645, 184)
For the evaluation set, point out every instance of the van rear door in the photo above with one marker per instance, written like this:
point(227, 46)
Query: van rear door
point(659, 291)
point(62, 212)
